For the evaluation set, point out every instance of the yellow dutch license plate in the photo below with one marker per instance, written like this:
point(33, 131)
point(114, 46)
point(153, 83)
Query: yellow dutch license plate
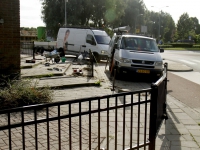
point(143, 71)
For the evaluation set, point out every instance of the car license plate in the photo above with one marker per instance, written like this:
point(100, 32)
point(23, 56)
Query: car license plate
point(143, 71)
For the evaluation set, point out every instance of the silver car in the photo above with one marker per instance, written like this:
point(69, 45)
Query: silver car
point(133, 54)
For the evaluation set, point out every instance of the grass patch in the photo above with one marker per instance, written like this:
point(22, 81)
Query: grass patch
point(98, 83)
point(19, 93)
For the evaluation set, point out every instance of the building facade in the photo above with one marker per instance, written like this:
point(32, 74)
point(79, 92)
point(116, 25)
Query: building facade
point(9, 37)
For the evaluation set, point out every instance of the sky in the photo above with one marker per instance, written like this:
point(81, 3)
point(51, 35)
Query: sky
point(30, 10)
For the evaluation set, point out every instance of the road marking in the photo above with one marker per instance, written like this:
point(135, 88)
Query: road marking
point(188, 62)
point(196, 61)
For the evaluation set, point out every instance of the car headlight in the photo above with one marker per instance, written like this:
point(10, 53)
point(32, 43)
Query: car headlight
point(125, 60)
point(103, 52)
point(158, 63)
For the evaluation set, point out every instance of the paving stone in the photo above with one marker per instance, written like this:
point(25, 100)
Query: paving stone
point(173, 135)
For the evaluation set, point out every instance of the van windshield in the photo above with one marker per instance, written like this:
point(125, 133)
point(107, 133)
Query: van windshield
point(102, 39)
point(137, 43)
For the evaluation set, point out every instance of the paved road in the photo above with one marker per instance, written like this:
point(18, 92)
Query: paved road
point(190, 58)
point(184, 90)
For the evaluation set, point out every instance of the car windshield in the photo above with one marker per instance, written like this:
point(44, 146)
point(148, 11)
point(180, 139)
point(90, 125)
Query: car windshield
point(102, 39)
point(139, 44)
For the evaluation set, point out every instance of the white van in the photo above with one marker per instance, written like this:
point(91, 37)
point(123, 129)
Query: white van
point(135, 55)
point(77, 40)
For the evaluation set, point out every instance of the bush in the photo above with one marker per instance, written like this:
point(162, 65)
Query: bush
point(184, 45)
point(164, 46)
point(23, 92)
point(196, 46)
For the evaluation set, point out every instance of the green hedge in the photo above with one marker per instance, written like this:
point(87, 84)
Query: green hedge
point(185, 45)
point(196, 46)
point(164, 46)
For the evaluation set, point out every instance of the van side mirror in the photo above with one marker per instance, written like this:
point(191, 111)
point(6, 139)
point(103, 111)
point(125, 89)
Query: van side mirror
point(161, 50)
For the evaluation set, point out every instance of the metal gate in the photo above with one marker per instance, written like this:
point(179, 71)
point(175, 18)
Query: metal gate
point(121, 121)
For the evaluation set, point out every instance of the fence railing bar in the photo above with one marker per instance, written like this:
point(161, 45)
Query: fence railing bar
point(23, 133)
point(107, 123)
point(138, 146)
point(32, 107)
point(124, 111)
point(59, 129)
point(47, 117)
point(80, 128)
point(138, 133)
point(116, 122)
point(145, 121)
point(42, 120)
point(153, 116)
point(90, 130)
point(36, 133)
point(99, 125)
point(131, 122)
point(9, 132)
point(70, 129)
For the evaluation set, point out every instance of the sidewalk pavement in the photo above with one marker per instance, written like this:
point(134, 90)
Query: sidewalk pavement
point(182, 129)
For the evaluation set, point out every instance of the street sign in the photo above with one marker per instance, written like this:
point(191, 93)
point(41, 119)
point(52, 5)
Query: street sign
point(137, 31)
point(144, 29)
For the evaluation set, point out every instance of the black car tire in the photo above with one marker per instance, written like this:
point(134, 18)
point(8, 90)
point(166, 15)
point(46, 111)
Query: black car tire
point(57, 59)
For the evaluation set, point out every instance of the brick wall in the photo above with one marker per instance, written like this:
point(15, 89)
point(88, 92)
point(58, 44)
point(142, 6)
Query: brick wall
point(10, 37)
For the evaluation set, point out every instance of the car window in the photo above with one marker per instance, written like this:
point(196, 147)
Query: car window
point(102, 39)
point(90, 39)
point(142, 44)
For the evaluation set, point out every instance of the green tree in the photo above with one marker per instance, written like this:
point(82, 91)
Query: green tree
point(155, 19)
point(184, 26)
point(81, 12)
point(133, 14)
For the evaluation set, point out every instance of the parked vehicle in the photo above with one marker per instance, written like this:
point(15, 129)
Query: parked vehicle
point(133, 54)
point(74, 41)
point(40, 47)
point(186, 41)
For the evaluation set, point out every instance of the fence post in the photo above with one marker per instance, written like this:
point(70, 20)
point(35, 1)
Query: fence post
point(91, 61)
point(153, 116)
point(33, 50)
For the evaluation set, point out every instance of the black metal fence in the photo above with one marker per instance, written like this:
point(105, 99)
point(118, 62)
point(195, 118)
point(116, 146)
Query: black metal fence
point(27, 48)
point(120, 121)
point(91, 64)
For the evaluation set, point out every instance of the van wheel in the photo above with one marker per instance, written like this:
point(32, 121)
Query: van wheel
point(57, 59)
point(97, 57)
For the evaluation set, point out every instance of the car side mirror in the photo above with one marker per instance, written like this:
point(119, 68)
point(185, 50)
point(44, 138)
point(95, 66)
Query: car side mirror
point(161, 50)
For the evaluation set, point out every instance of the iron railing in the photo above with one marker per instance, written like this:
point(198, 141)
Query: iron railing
point(128, 121)
point(27, 48)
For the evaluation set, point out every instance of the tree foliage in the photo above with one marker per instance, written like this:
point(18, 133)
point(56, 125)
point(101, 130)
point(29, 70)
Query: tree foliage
point(106, 13)
point(183, 26)
point(188, 27)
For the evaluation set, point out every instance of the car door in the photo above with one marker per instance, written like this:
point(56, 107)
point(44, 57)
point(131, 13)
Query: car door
point(90, 42)
point(117, 49)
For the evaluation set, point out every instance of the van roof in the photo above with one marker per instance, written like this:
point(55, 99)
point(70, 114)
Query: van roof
point(83, 27)
point(137, 36)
